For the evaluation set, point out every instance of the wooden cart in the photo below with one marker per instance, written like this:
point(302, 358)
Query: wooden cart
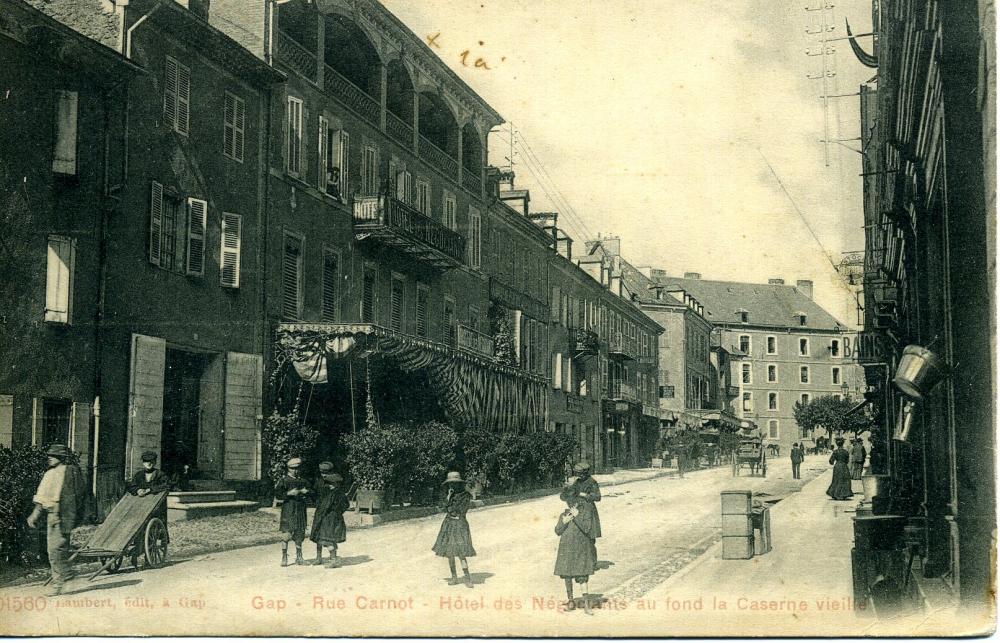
point(135, 528)
point(750, 454)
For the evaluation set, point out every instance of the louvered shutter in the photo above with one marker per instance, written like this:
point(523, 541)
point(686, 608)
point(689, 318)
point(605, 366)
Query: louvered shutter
point(396, 307)
point(183, 98)
point(156, 223)
point(229, 260)
point(401, 186)
point(321, 178)
point(421, 312)
point(331, 281)
point(170, 93)
point(241, 121)
point(345, 155)
point(243, 392)
point(368, 296)
point(64, 159)
point(291, 279)
point(7, 421)
point(59, 279)
point(229, 125)
point(304, 143)
point(197, 221)
point(145, 408)
point(79, 432)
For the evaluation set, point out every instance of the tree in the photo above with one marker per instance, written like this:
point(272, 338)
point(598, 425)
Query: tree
point(831, 414)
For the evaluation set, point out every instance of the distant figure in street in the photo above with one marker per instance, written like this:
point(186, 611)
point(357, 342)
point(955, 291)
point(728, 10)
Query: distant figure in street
point(840, 486)
point(61, 496)
point(293, 489)
point(858, 456)
point(576, 559)
point(589, 491)
point(796, 456)
point(454, 540)
point(329, 528)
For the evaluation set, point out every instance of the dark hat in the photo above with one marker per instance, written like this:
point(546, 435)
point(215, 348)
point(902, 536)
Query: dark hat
point(581, 467)
point(58, 451)
point(839, 440)
point(325, 467)
point(149, 456)
point(333, 477)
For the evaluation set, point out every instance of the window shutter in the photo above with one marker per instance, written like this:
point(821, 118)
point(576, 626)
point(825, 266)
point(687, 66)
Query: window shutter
point(7, 421)
point(345, 149)
point(197, 220)
point(321, 177)
point(303, 143)
point(229, 125)
point(291, 277)
point(170, 93)
point(232, 236)
point(368, 296)
point(79, 432)
point(243, 391)
point(59, 279)
point(240, 127)
point(64, 159)
point(421, 312)
point(183, 98)
point(557, 370)
point(401, 186)
point(331, 282)
point(155, 223)
point(396, 305)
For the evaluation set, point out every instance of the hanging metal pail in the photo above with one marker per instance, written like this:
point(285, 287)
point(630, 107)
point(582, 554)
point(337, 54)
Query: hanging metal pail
point(918, 372)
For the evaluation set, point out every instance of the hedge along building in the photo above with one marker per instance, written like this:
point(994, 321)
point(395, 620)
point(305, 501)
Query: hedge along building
point(375, 248)
point(64, 96)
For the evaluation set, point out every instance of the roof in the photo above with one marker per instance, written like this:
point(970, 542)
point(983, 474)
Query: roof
point(86, 17)
point(767, 304)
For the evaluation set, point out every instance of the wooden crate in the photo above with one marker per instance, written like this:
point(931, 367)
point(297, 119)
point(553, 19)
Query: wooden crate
point(737, 547)
point(736, 502)
point(736, 525)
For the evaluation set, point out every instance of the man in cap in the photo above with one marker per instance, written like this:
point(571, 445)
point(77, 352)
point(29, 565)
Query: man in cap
point(587, 489)
point(61, 496)
point(149, 479)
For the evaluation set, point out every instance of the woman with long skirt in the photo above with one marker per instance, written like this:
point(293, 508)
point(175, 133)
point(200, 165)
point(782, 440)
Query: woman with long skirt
point(455, 539)
point(840, 486)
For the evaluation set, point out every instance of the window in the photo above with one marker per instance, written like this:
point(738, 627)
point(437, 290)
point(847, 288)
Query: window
point(772, 429)
point(396, 302)
point(369, 171)
point(449, 212)
point(424, 197)
point(747, 376)
point(772, 372)
point(177, 96)
point(234, 122)
point(557, 362)
point(167, 223)
point(802, 319)
point(449, 321)
point(331, 285)
point(835, 375)
point(475, 238)
point(772, 345)
point(368, 283)
point(59, 270)
point(421, 312)
point(748, 402)
point(804, 374)
point(772, 401)
point(293, 146)
point(567, 374)
point(229, 261)
point(291, 278)
point(54, 421)
point(667, 391)
point(404, 186)
point(804, 346)
point(333, 144)
point(836, 396)
point(804, 399)
point(64, 158)
point(197, 219)
point(835, 348)
point(744, 317)
point(745, 344)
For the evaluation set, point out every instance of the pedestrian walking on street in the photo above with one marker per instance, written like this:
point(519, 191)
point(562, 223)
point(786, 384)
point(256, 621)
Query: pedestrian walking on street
point(589, 491)
point(329, 528)
point(454, 540)
point(796, 455)
point(293, 489)
point(858, 457)
point(61, 497)
point(840, 485)
point(576, 559)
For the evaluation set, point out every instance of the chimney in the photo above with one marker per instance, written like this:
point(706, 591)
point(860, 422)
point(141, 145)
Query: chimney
point(692, 275)
point(612, 245)
point(805, 286)
point(776, 282)
point(198, 7)
point(646, 271)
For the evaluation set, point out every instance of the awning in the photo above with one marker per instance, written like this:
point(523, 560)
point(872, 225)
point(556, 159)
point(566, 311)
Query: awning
point(716, 418)
point(857, 407)
point(474, 390)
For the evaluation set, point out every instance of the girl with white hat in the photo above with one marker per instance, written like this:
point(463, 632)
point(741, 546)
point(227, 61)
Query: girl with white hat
point(455, 539)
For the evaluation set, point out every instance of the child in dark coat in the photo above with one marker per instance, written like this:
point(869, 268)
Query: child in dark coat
point(455, 539)
point(577, 529)
point(292, 489)
point(329, 528)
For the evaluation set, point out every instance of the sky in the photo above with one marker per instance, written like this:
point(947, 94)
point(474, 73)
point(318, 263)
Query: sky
point(656, 121)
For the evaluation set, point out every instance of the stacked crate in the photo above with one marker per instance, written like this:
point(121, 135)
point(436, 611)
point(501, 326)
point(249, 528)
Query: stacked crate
point(737, 525)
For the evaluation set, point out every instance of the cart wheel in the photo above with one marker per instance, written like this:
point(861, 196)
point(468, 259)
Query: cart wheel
point(155, 549)
point(114, 566)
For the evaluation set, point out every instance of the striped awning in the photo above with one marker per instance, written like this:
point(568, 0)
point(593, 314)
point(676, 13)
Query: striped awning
point(473, 389)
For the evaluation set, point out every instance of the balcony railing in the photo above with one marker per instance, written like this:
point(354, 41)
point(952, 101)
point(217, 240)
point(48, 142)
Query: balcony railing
point(618, 347)
point(471, 181)
point(296, 56)
point(583, 342)
point(438, 158)
point(352, 95)
point(470, 339)
point(399, 225)
point(399, 130)
point(622, 391)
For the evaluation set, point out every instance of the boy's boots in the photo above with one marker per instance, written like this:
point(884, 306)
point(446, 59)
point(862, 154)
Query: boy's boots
point(319, 555)
point(299, 560)
point(284, 557)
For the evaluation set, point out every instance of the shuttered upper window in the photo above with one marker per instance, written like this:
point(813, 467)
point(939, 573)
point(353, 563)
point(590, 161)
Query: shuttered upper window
point(229, 257)
point(291, 278)
point(369, 171)
point(177, 96)
point(331, 285)
point(234, 121)
point(64, 158)
point(333, 155)
point(59, 279)
point(475, 239)
point(396, 303)
point(449, 212)
point(197, 219)
point(421, 312)
point(449, 321)
point(368, 283)
point(293, 144)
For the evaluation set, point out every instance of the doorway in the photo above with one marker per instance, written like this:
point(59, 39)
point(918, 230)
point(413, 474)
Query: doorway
point(192, 413)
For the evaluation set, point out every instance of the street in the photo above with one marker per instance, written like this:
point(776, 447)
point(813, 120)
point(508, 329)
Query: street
point(392, 584)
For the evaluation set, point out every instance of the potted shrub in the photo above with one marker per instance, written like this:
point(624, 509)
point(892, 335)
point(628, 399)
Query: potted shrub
point(374, 456)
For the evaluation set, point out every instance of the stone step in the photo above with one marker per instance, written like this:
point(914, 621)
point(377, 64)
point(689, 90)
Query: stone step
point(207, 484)
point(187, 497)
point(192, 510)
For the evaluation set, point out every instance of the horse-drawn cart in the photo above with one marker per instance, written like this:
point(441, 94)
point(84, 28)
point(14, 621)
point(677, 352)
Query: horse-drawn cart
point(135, 527)
point(750, 454)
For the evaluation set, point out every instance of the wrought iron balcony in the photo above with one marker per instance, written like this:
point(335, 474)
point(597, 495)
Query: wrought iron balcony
point(471, 340)
point(399, 130)
point(438, 158)
point(618, 348)
point(401, 226)
point(296, 56)
point(351, 95)
point(583, 342)
point(618, 390)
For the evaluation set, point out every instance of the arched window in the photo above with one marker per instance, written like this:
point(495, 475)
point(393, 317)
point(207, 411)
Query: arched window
point(399, 92)
point(348, 52)
point(472, 150)
point(437, 124)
